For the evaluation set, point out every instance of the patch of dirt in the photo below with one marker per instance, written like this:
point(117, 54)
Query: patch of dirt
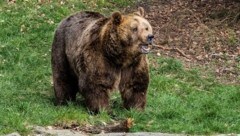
point(204, 34)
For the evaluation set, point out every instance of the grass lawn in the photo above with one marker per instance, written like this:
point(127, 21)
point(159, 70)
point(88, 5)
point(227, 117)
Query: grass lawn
point(179, 100)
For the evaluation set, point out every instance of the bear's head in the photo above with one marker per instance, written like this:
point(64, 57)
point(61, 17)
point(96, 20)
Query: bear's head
point(134, 31)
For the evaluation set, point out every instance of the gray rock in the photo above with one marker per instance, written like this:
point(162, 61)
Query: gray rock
point(41, 131)
point(13, 134)
point(49, 131)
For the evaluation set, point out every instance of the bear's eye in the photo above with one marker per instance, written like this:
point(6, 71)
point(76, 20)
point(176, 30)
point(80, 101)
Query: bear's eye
point(135, 29)
point(146, 29)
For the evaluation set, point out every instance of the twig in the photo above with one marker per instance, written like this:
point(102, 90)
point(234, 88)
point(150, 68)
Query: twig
point(236, 18)
point(121, 126)
point(223, 55)
point(172, 49)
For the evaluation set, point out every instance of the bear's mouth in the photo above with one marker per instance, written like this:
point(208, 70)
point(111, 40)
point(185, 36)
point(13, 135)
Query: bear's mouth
point(145, 48)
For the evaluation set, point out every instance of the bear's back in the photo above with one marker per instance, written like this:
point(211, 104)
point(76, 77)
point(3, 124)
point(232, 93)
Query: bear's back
point(74, 28)
point(80, 18)
point(80, 32)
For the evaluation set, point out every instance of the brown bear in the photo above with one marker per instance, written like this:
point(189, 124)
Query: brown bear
point(93, 54)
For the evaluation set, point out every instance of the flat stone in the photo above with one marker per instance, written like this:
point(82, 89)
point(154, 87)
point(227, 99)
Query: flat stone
point(13, 134)
point(41, 131)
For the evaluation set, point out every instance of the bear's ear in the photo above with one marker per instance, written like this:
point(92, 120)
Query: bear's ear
point(140, 12)
point(116, 18)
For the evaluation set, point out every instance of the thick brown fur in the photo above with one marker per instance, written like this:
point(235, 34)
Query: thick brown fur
point(93, 54)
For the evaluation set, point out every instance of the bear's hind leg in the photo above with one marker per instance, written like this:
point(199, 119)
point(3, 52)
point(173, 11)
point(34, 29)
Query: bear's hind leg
point(64, 90)
point(96, 98)
point(65, 83)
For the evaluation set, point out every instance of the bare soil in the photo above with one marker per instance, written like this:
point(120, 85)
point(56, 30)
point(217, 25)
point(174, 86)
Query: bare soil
point(203, 34)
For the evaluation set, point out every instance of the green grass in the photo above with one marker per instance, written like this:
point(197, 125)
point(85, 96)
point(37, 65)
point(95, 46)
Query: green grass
point(179, 100)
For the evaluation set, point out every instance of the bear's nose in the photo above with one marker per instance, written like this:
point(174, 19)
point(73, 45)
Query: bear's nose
point(149, 38)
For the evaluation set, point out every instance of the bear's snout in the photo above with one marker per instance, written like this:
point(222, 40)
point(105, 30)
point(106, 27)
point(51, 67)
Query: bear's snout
point(150, 38)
